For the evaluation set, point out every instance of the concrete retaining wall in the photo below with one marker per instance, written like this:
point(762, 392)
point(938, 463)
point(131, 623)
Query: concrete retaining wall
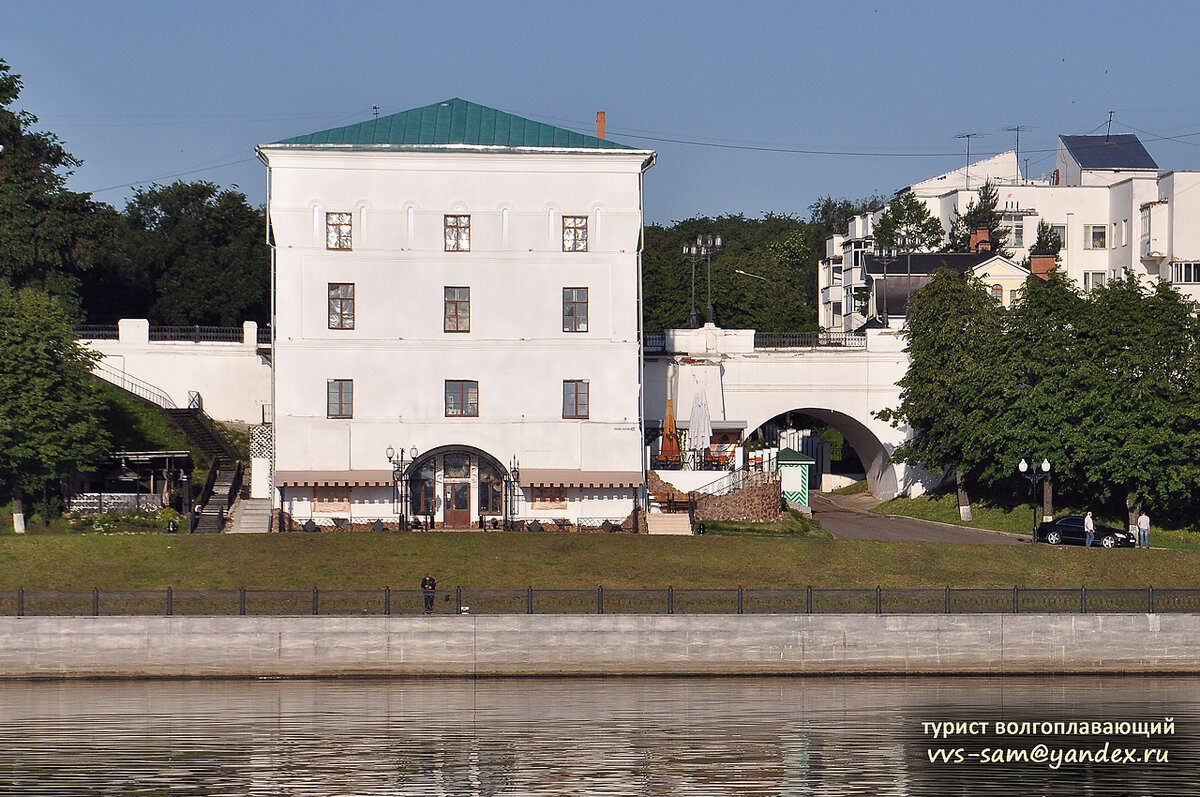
point(69, 647)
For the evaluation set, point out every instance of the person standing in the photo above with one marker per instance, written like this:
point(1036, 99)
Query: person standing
point(429, 587)
point(1089, 526)
point(1143, 524)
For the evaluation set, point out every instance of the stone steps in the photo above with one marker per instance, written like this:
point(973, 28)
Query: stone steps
point(677, 524)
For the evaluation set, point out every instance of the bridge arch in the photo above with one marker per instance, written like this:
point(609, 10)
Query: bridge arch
point(882, 479)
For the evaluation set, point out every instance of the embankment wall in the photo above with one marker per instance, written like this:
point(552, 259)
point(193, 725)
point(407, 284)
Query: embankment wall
point(487, 645)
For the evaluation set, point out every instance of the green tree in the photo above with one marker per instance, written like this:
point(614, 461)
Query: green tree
point(832, 216)
point(979, 215)
point(907, 226)
point(1139, 427)
point(48, 399)
point(189, 253)
point(782, 250)
point(48, 235)
point(949, 394)
point(1047, 240)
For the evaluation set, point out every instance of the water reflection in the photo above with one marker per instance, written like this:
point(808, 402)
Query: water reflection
point(699, 736)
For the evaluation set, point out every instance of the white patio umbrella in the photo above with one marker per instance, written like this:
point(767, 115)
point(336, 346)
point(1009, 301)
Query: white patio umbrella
point(699, 424)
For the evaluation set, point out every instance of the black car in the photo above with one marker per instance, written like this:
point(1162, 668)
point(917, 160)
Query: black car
point(1069, 531)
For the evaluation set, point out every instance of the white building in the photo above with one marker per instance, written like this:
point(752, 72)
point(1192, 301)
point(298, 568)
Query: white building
point(1106, 199)
point(461, 286)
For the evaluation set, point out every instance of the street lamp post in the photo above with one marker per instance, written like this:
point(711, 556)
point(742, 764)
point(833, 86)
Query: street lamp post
point(705, 247)
point(1036, 475)
point(397, 459)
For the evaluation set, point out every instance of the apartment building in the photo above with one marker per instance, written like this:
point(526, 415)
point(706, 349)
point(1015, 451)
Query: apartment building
point(456, 320)
point(1112, 208)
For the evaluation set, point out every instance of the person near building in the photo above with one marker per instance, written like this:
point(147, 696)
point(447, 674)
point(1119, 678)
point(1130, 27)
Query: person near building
point(1143, 524)
point(1089, 526)
point(429, 587)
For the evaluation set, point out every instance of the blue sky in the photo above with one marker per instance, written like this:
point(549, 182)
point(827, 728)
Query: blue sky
point(739, 100)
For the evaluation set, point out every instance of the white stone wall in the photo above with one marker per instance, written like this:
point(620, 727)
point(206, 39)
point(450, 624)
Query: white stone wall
point(234, 381)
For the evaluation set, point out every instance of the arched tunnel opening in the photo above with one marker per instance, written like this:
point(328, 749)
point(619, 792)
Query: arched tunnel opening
point(846, 451)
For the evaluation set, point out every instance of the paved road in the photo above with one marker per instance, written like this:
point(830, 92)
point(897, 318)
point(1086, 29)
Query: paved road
point(847, 519)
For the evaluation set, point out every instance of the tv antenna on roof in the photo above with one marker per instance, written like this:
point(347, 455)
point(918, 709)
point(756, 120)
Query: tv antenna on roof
point(1017, 129)
point(1108, 132)
point(968, 137)
point(375, 109)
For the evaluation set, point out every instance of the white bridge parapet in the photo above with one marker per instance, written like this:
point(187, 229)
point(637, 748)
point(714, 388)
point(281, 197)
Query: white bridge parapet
point(224, 365)
point(842, 381)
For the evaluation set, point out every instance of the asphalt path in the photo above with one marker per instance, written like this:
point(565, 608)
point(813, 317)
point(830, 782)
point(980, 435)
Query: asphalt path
point(846, 518)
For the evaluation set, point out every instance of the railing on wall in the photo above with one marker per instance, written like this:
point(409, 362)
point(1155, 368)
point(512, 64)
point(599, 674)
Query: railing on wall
point(196, 333)
point(96, 332)
point(808, 340)
point(132, 384)
point(466, 600)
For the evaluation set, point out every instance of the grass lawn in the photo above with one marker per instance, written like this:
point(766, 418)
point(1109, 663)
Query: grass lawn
point(366, 560)
point(1018, 520)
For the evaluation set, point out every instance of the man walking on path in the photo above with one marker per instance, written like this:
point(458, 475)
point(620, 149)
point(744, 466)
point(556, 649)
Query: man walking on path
point(1089, 526)
point(429, 587)
point(1143, 524)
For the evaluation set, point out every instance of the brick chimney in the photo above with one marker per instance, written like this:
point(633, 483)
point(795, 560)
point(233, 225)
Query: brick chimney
point(600, 125)
point(981, 240)
point(1042, 263)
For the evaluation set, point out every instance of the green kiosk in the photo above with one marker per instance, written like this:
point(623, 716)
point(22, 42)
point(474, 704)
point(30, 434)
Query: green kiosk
point(793, 477)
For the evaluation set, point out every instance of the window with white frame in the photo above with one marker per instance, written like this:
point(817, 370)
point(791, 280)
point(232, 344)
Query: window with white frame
point(1097, 236)
point(462, 398)
point(458, 233)
point(1016, 230)
point(456, 312)
point(339, 399)
point(575, 398)
point(575, 233)
point(339, 231)
point(1124, 232)
point(1093, 280)
point(1061, 231)
point(341, 305)
point(1185, 273)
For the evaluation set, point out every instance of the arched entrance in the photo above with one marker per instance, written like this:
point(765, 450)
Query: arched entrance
point(876, 460)
point(457, 487)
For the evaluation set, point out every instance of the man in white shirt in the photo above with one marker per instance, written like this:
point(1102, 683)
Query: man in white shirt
point(1089, 526)
point(1143, 524)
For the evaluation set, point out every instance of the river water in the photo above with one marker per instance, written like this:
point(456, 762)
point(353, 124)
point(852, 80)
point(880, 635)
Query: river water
point(602, 736)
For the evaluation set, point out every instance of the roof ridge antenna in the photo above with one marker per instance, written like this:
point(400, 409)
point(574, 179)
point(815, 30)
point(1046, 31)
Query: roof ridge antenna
point(968, 136)
point(1108, 132)
point(1017, 129)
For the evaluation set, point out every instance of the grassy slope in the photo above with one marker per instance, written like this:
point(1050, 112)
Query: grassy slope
point(508, 560)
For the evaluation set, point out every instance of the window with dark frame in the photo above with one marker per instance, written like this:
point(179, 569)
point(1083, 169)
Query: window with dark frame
point(458, 233)
point(340, 398)
point(341, 305)
point(575, 398)
point(339, 231)
point(575, 233)
point(575, 309)
point(462, 398)
point(457, 312)
point(491, 490)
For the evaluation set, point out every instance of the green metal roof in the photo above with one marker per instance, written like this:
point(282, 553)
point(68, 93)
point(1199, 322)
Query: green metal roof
point(790, 456)
point(452, 124)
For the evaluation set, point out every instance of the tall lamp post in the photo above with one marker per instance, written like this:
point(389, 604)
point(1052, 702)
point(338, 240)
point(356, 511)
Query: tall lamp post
point(397, 459)
point(908, 242)
point(1036, 475)
point(704, 247)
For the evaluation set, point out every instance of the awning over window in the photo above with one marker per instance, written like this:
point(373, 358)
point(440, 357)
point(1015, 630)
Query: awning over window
point(333, 478)
point(551, 477)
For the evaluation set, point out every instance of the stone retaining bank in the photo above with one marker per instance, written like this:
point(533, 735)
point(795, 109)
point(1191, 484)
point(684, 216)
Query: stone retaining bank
point(77, 647)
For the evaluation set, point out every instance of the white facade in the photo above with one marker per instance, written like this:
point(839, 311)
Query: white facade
point(1112, 220)
point(413, 341)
